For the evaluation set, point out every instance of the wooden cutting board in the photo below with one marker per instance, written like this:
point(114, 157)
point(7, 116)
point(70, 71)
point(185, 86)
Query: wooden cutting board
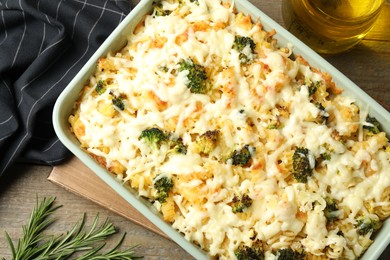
point(74, 176)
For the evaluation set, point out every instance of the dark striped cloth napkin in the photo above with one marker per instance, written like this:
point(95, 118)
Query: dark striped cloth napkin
point(43, 44)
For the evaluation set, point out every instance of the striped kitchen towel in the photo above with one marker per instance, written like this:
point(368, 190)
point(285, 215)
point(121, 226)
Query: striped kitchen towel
point(43, 44)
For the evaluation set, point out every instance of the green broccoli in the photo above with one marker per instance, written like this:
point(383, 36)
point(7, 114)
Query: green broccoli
point(301, 164)
point(367, 225)
point(118, 102)
point(326, 156)
point(154, 137)
point(197, 77)
point(207, 142)
point(163, 185)
point(331, 210)
point(313, 86)
point(100, 87)
point(255, 252)
point(179, 146)
point(158, 10)
point(323, 115)
point(240, 42)
point(241, 204)
point(373, 125)
point(289, 254)
point(243, 156)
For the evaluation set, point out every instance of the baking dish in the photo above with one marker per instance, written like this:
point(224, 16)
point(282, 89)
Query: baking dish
point(117, 39)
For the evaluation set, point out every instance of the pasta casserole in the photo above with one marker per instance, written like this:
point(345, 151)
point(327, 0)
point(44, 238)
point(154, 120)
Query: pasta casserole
point(245, 148)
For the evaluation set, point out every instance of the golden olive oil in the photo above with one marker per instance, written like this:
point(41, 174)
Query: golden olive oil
point(330, 26)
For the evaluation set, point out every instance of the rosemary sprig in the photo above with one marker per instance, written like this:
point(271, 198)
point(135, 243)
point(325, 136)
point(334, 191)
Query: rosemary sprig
point(32, 232)
point(35, 245)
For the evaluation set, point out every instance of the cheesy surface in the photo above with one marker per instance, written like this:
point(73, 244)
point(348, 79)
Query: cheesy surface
point(257, 151)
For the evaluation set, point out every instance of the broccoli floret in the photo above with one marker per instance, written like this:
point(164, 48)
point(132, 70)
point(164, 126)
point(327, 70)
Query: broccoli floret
point(241, 204)
point(207, 142)
point(179, 147)
point(240, 42)
point(118, 102)
point(176, 145)
point(331, 210)
point(154, 137)
point(158, 10)
point(313, 86)
point(163, 185)
point(367, 225)
point(323, 115)
point(242, 156)
point(289, 254)
point(245, 252)
point(100, 87)
point(326, 156)
point(373, 125)
point(197, 78)
point(301, 164)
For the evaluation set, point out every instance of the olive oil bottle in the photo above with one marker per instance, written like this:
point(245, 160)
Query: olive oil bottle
point(330, 26)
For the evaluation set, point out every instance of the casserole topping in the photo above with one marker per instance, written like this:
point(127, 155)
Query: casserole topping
point(246, 149)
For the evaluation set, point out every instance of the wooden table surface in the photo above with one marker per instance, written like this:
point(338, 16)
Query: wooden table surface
point(368, 65)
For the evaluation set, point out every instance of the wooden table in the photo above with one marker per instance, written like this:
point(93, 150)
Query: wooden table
point(368, 65)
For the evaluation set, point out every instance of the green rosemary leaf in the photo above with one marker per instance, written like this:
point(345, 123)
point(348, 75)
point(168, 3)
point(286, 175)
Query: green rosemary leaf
point(11, 245)
point(91, 253)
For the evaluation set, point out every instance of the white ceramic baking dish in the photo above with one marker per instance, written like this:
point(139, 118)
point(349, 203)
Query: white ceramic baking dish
point(117, 40)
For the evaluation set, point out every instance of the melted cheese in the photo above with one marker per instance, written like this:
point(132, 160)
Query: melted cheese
point(265, 104)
